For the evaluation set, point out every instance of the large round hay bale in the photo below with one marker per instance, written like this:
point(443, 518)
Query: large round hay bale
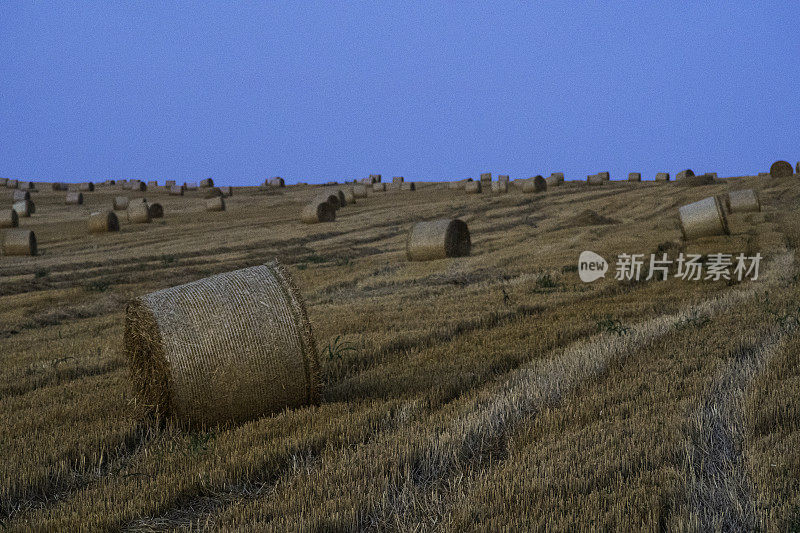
point(349, 197)
point(120, 203)
point(703, 218)
point(74, 198)
point(662, 176)
point(217, 203)
point(19, 195)
point(742, 201)
point(634, 176)
point(24, 208)
point(156, 210)
point(8, 218)
point(318, 211)
point(359, 191)
point(473, 187)
point(19, 242)
point(696, 181)
point(780, 169)
point(499, 187)
point(12, 184)
point(86, 186)
point(227, 190)
point(224, 349)
point(378, 187)
point(276, 182)
point(534, 184)
point(342, 198)
point(138, 212)
point(139, 186)
point(504, 177)
point(408, 186)
point(375, 178)
point(397, 180)
point(103, 221)
point(683, 174)
point(176, 190)
point(595, 179)
point(212, 192)
point(605, 176)
point(438, 239)
point(555, 179)
point(208, 182)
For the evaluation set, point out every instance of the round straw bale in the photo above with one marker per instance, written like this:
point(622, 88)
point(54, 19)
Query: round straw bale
point(24, 208)
point(473, 187)
point(190, 185)
point(156, 210)
point(684, 174)
point(504, 177)
point(499, 187)
point(212, 192)
point(152, 183)
point(342, 199)
point(438, 239)
point(56, 186)
point(634, 176)
point(606, 176)
point(408, 186)
point(12, 184)
point(121, 203)
point(87, 186)
point(138, 212)
point(227, 190)
point(19, 242)
point(27, 185)
point(349, 197)
point(486, 177)
point(276, 182)
point(375, 178)
point(176, 190)
point(703, 218)
point(217, 203)
point(139, 186)
point(8, 218)
point(378, 186)
point(103, 221)
point(208, 182)
point(534, 184)
point(74, 198)
point(662, 176)
point(224, 349)
point(696, 181)
point(398, 179)
point(742, 201)
point(460, 184)
point(318, 211)
point(170, 183)
point(780, 169)
point(359, 191)
point(19, 195)
point(555, 179)
point(595, 179)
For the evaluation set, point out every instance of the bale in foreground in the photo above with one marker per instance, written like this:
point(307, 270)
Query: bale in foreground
point(318, 211)
point(24, 208)
point(156, 210)
point(215, 204)
point(103, 222)
point(703, 219)
point(438, 239)
point(74, 198)
point(139, 212)
point(19, 242)
point(229, 348)
point(8, 218)
point(742, 201)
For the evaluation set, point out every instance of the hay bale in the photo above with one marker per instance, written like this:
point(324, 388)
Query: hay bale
point(703, 218)
point(438, 239)
point(19, 242)
point(595, 179)
point(206, 183)
point(170, 183)
point(743, 201)
point(26, 185)
point(156, 210)
point(408, 186)
point(190, 186)
point(486, 178)
point(8, 218)
point(276, 182)
point(349, 197)
point(780, 169)
point(696, 181)
point(605, 176)
point(359, 191)
point(535, 184)
point(662, 176)
point(103, 221)
point(504, 177)
point(499, 187)
point(24, 208)
point(224, 349)
point(226, 190)
point(212, 192)
point(86, 186)
point(473, 187)
point(397, 180)
point(176, 190)
point(58, 186)
point(217, 203)
point(683, 174)
point(152, 184)
point(74, 198)
point(342, 199)
point(139, 212)
point(634, 176)
point(138, 185)
point(797, 168)
point(12, 184)
point(120, 203)
point(712, 174)
point(555, 179)
point(19, 195)
point(374, 178)
point(460, 184)
point(378, 187)
point(318, 211)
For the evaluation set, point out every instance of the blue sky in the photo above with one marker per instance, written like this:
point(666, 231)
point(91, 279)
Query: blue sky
point(430, 91)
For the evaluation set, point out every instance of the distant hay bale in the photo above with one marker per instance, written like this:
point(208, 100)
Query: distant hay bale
point(19, 195)
point(349, 197)
point(224, 349)
point(408, 186)
point(375, 178)
point(473, 187)
point(170, 183)
point(8, 218)
point(190, 186)
point(58, 186)
point(217, 203)
point(486, 177)
point(120, 203)
point(780, 169)
point(176, 190)
point(139, 212)
point(703, 218)
point(555, 179)
point(378, 187)
point(12, 184)
point(504, 177)
point(606, 176)
point(206, 183)
point(534, 184)
point(212, 192)
point(226, 190)
point(634, 176)
point(152, 183)
point(19, 242)
point(742, 201)
point(595, 179)
point(156, 210)
point(318, 211)
point(460, 184)
point(499, 187)
point(276, 182)
point(138, 185)
point(27, 185)
point(683, 174)
point(438, 239)
point(74, 198)
point(398, 180)
point(87, 186)
point(103, 221)
point(662, 176)
point(696, 181)
point(24, 208)
point(359, 191)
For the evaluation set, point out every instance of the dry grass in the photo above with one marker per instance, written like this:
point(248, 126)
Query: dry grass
point(489, 391)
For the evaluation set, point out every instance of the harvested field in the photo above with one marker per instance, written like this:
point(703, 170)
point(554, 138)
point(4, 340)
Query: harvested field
point(494, 389)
